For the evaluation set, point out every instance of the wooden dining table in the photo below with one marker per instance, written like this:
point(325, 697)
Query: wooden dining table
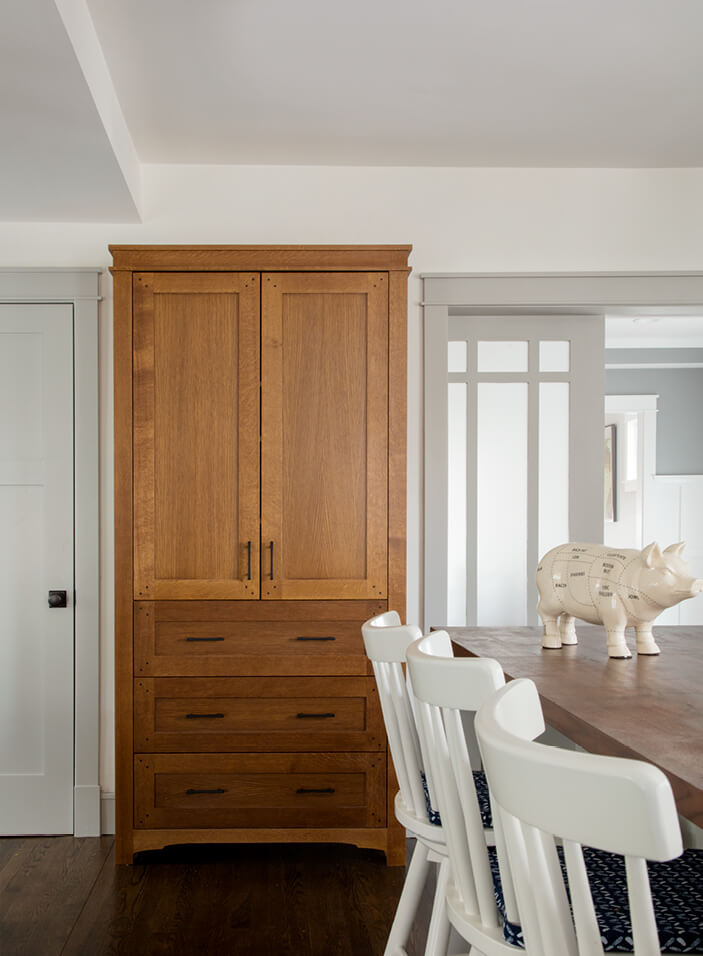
point(649, 708)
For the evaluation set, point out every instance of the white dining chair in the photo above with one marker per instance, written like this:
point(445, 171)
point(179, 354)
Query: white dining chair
point(386, 641)
point(478, 892)
point(579, 830)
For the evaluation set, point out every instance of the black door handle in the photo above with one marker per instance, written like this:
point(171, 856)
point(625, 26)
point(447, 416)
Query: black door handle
point(57, 599)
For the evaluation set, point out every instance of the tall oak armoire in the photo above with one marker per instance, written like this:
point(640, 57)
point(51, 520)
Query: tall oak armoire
point(260, 432)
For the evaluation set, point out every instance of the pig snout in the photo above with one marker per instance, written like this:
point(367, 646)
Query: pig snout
point(692, 587)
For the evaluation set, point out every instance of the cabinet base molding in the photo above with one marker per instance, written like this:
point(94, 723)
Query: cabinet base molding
point(365, 839)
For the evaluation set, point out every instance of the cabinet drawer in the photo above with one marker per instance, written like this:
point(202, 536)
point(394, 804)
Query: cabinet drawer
point(181, 639)
point(201, 714)
point(260, 790)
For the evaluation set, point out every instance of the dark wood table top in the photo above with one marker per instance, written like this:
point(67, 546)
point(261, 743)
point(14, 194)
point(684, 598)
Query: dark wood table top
point(650, 708)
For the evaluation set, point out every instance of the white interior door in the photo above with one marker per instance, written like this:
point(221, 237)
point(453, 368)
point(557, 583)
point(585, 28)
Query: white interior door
point(36, 556)
point(522, 468)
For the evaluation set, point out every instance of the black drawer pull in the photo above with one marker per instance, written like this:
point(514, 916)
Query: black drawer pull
point(314, 790)
point(248, 560)
point(202, 639)
point(314, 716)
point(316, 638)
point(204, 716)
point(190, 791)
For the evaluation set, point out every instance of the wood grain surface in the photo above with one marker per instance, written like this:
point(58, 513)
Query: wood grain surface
point(224, 638)
point(324, 445)
point(61, 896)
point(312, 790)
point(262, 257)
point(648, 708)
point(196, 428)
point(200, 594)
point(235, 714)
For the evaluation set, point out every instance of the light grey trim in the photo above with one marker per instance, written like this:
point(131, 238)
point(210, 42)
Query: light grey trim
point(532, 542)
point(86, 811)
point(87, 560)
point(79, 287)
point(586, 482)
point(608, 365)
point(107, 813)
point(678, 479)
point(436, 321)
point(470, 379)
point(471, 486)
point(548, 275)
point(49, 285)
point(586, 293)
point(631, 403)
point(600, 290)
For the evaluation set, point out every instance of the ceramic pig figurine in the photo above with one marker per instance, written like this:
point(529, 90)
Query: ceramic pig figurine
point(617, 588)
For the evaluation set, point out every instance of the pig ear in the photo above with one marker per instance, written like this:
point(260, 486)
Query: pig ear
point(651, 554)
point(675, 549)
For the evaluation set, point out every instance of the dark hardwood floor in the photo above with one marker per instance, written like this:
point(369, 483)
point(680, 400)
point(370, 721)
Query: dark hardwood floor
point(60, 895)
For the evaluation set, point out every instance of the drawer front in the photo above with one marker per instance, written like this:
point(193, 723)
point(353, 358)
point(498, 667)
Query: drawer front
point(272, 714)
point(260, 790)
point(203, 641)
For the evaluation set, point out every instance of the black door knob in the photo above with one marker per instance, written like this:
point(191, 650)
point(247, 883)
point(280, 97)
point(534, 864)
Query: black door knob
point(57, 599)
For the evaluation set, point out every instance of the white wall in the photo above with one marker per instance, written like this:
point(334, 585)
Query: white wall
point(459, 220)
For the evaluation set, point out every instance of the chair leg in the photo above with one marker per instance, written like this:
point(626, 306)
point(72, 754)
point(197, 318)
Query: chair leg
point(415, 880)
point(438, 933)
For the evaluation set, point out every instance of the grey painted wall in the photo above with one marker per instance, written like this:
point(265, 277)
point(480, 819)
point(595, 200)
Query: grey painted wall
point(680, 390)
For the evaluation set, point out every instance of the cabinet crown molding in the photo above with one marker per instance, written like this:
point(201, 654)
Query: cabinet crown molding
point(284, 258)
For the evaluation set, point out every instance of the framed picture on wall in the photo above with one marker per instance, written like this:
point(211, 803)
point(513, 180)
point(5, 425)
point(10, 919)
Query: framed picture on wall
point(609, 475)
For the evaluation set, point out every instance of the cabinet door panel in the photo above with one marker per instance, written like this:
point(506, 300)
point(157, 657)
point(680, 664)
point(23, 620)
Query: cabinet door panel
point(196, 427)
point(324, 435)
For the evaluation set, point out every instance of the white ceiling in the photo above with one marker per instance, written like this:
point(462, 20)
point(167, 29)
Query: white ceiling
point(654, 331)
point(409, 82)
point(370, 82)
point(57, 162)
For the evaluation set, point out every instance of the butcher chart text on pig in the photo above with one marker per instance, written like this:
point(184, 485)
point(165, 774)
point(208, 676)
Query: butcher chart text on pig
point(617, 588)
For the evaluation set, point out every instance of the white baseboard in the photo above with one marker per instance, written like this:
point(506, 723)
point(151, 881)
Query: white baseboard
point(107, 812)
point(86, 811)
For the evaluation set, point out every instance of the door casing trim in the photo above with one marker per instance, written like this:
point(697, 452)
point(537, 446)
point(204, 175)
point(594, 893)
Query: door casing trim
point(519, 293)
point(80, 289)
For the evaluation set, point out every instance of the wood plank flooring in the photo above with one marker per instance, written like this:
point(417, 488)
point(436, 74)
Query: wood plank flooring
point(61, 896)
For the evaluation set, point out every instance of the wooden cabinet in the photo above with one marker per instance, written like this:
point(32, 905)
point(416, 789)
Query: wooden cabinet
point(260, 518)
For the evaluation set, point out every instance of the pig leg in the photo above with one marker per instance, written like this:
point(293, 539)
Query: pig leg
point(617, 647)
point(645, 641)
point(568, 629)
point(550, 637)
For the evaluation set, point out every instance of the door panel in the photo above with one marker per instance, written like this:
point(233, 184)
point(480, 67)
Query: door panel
point(524, 461)
point(36, 554)
point(324, 435)
point(196, 447)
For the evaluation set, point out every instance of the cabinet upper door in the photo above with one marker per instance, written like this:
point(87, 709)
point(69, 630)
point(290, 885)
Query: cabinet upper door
point(324, 435)
point(196, 435)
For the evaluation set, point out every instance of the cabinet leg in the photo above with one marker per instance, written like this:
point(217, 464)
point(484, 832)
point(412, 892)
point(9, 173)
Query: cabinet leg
point(123, 850)
point(395, 848)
